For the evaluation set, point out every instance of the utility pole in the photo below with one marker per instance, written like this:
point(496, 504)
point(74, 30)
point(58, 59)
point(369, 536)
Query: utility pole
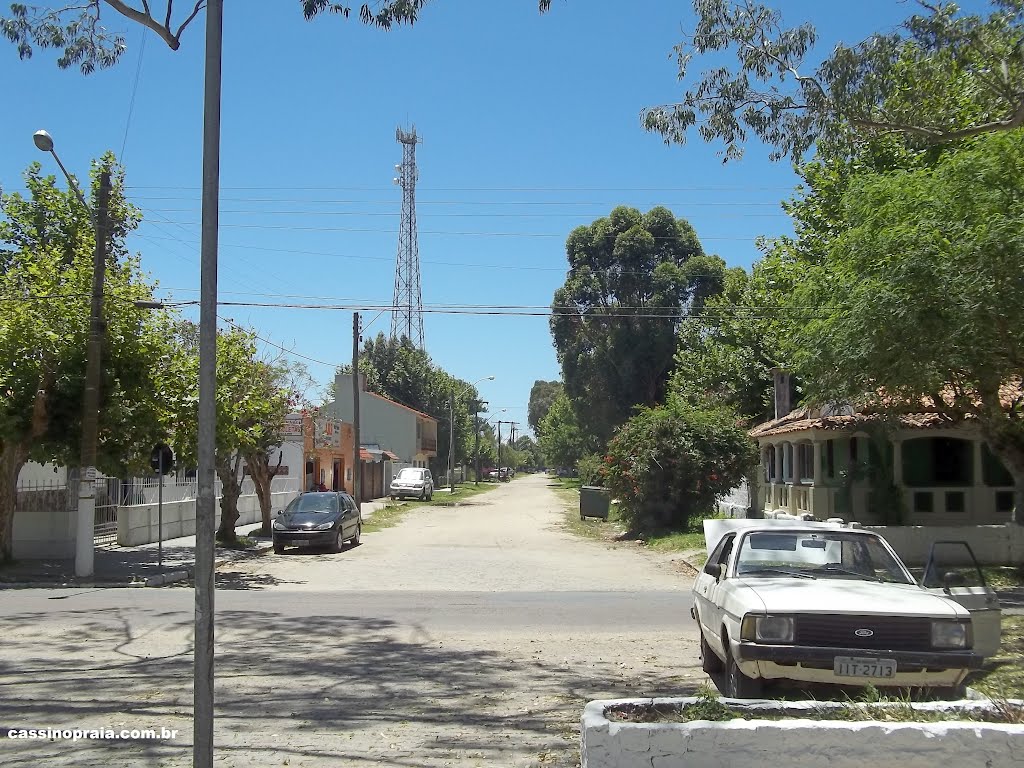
point(202, 722)
point(357, 460)
point(86, 522)
point(476, 428)
point(499, 449)
point(451, 440)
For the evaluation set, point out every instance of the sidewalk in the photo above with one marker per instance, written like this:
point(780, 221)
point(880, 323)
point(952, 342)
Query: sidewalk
point(139, 566)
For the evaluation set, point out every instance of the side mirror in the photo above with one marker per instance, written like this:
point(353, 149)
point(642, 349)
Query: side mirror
point(394, 477)
point(953, 579)
point(713, 569)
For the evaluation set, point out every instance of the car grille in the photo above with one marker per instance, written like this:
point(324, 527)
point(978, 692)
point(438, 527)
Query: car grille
point(888, 632)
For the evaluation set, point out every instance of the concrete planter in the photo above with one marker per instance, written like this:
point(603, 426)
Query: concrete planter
point(794, 743)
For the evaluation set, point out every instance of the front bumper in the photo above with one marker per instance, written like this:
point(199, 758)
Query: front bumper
point(304, 538)
point(404, 491)
point(816, 664)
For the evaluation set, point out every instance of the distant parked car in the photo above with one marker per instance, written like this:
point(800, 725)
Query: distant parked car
point(823, 603)
point(318, 519)
point(416, 482)
point(506, 473)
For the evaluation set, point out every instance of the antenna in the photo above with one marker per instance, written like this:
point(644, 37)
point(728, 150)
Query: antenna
point(407, 308)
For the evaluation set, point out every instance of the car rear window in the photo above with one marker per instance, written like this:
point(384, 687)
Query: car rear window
point(315, 502)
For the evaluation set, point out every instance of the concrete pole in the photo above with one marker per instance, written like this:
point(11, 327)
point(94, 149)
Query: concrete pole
point(357, 462)
point(202, 724)
point(451, 441)
point(86, 520)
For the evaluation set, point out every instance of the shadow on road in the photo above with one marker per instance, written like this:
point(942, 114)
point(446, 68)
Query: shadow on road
point(332, 687)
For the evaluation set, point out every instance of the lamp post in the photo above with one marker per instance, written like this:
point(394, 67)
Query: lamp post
point(451, 428)
point(86, 518)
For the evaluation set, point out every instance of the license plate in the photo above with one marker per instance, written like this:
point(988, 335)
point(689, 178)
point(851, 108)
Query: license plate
point(851, 666)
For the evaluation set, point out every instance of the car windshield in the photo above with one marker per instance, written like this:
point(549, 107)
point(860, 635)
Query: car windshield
point(313, 502)
point(410, 474)
point(820, 554)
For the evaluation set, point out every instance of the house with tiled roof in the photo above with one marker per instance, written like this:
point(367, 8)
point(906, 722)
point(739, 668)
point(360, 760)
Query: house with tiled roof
point(915, 467)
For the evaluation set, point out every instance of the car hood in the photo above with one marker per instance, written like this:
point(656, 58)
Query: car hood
point(307, 519)
point(828, 595)
point(407, 481)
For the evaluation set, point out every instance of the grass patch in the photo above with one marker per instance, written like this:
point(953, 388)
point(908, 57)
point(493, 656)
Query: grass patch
point(392, 513)
point(1003, 676)
point(870, 705)
point(1003, 577)
point(388, 516)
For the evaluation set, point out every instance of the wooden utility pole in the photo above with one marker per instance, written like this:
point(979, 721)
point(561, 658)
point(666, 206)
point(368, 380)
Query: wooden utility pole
point(357, 463)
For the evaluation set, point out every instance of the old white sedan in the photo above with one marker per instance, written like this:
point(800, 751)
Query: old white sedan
point(821, 603)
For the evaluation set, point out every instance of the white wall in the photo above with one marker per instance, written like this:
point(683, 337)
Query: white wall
point(44, 534)
point(992, 544)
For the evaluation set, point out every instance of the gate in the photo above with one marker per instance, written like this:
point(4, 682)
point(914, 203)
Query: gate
point(107, 493)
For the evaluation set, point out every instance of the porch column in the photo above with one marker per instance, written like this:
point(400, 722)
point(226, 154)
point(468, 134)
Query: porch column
point(817, 477)
point(897, 462)
point(780, 450)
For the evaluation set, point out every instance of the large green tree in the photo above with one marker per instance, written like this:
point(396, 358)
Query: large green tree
point(632, 277)
point(47, 240)
point(562, 440)
point(76, 28)
point(542, 395)
point(940, 76)
point(920, 297)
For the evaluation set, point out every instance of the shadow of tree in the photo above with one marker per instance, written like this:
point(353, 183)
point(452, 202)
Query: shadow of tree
point(327, 689)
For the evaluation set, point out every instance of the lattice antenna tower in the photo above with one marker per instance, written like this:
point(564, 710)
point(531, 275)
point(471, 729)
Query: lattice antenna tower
point(407, 310)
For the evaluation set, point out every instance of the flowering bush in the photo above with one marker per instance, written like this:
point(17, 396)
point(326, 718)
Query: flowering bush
point(591, 469)
point(667, 465)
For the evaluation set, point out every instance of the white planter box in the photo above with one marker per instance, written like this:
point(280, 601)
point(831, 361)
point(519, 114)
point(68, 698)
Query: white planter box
point(794, 743)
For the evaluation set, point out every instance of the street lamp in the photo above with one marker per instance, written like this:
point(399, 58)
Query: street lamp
point(86, 518)
point(451, 426)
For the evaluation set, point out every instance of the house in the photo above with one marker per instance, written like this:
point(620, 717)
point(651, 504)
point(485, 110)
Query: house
point(391, 435)
point(915, 468)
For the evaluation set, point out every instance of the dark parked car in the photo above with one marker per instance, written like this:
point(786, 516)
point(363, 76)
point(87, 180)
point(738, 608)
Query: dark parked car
point(318, 519)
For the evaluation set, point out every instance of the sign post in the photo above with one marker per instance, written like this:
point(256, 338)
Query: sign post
point(162, 460)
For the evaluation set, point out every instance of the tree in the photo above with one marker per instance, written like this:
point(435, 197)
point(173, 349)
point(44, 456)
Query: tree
point(940, 77)
point(562, 439)
point(47, 242)
point(631, 278)
point(76, 28)
point(251, 406)
point(668, 464)
point(918, 297)
point(542, 395)
point(530, 451)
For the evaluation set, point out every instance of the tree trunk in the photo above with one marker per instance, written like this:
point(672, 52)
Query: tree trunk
point(262, 477)
point(1007, 442)
point(12, 459)
point(227, 471)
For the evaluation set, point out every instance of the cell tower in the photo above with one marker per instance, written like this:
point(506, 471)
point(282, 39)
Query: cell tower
point(407, 310)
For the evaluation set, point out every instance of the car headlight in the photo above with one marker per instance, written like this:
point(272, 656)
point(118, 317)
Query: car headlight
point(280, 526)
point(951, 634)
point(324, 526)
point(767, 629)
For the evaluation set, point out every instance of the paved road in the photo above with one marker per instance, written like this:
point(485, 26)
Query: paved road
point(464, 636)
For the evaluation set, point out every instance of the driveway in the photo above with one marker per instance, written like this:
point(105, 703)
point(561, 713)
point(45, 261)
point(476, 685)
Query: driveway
point(468, 635)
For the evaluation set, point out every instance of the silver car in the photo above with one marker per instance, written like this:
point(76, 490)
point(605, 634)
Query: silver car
point(415, 482)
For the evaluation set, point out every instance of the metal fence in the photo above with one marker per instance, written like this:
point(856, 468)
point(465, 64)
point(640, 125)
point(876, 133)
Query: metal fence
point(146, 490)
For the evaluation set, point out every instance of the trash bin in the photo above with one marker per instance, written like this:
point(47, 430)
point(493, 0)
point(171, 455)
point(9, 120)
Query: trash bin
point(594, 502)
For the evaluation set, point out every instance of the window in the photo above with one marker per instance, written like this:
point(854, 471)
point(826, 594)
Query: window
point(955, 501)
point(720, 555)
point(830, 458)
point(769, 463)
point(938, 461)
point(805, 462)
point(1004, 502)
point(992, 470)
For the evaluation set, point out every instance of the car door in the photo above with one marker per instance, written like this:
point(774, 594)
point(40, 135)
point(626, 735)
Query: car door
point(953, 572)
point(348, 516)
point(708, 591)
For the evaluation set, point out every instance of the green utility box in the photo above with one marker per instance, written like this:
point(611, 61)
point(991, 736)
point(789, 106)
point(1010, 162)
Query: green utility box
point(594, 502)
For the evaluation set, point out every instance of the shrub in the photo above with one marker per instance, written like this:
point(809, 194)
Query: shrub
point(591, 469)
point(666, 465)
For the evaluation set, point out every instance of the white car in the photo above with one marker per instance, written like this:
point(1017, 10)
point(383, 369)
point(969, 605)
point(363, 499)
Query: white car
point(822, 603)
point(412, 481)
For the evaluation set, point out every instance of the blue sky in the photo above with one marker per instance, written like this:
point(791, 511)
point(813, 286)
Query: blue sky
point(530, 128)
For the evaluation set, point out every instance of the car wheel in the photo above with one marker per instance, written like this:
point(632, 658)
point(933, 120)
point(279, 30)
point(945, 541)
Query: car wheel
point(392, 497)
point(710, 662)
point(339, 541)
point(430, 495)
point(738, 685)
point(423, 495)
point(278, 548)
point(359, 533)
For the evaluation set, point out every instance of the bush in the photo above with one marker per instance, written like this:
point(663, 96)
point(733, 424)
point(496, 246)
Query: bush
point(667, 465)
point(591, 470)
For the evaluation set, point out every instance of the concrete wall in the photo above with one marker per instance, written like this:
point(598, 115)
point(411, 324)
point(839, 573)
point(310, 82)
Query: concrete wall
point(138, 524)
point(992, 544)
point(44, 533)
point(794, 743)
